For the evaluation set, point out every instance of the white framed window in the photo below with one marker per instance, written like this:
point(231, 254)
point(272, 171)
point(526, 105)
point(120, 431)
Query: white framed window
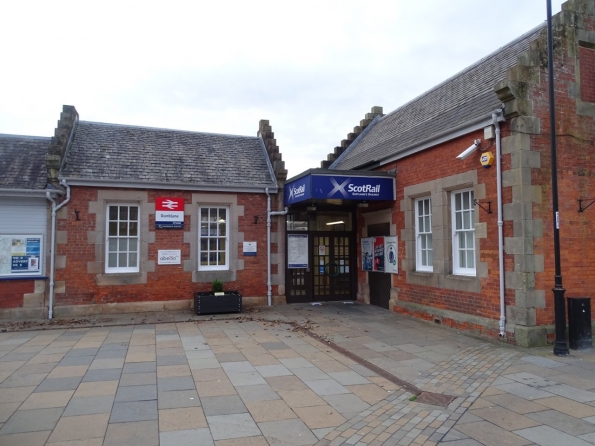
point(463, 226)
point(213, 238)
point(122, 238)
point(424, 253)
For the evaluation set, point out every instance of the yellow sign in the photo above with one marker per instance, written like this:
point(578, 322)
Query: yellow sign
point(487, 159)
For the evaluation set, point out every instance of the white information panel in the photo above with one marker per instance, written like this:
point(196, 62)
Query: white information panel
point(297, 251)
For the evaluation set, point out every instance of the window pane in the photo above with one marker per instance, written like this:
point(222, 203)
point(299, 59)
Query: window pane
point(213, 229)
point(112, 261)
point(204, 227)
point(424, 258)
point(430, 257)
point(132, 259)
point(461, 240)
point(212, 258)
point(213, 244)
point(204, 215)
point(420, 207)
point(223, 214)
point(470, 259)
point(420, 224)
point(123, 212)
point(457, 202)
point(466, 220)
point(470, 240)
point(427, 224)
point(222, 227)
point(459, 221)
point(123, 228)
point(133, 228)
point(113, 228)
point(133, 244)
point(221, 258)
point(203, 258)
point(133, 213)
point(427, 207)
point(123, 244)
point(113, 212)
point(429, 241)
point(423, 242)
point(122, 260)
point(222, 244)
point(113, 244)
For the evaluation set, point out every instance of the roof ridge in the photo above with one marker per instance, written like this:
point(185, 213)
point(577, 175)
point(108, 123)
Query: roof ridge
point(108, 124)
point(495, 53)
point(8, 135)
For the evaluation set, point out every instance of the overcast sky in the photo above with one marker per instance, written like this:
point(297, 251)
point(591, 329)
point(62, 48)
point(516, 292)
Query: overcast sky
point(313, 68)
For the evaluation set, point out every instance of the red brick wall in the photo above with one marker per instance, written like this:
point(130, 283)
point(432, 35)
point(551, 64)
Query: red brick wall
point(430, 165)
point(12, 291)
point(168, 282)
point(575, 143)
point(587, 74)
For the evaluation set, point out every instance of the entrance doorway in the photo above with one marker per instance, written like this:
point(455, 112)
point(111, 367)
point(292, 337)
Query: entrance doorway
point(331, 273)
point(380, 283)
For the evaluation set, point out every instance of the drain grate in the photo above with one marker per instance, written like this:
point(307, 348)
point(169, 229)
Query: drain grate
point(436, 399)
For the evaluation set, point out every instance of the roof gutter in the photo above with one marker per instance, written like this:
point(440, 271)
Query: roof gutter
point(258, 188)
point(41, 193)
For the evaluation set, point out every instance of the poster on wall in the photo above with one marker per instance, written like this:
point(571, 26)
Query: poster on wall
point(20, 254)
point(297, 251)
point(391, 255)
point(367, 254)
point(379, 254)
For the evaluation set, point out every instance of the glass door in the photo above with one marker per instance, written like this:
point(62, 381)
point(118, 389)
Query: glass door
point(331, 267)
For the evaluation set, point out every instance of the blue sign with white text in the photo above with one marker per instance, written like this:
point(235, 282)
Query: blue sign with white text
point(359, 188)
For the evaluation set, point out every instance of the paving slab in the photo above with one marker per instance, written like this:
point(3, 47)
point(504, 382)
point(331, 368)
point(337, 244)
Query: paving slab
point(231, 381)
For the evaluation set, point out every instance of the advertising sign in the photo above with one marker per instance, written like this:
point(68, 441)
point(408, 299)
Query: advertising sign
point(368, 254)
point(391, 255)
point(379, 254)
point(297, 251)
point(169, 257)
point(20, 254)
point(169, 213)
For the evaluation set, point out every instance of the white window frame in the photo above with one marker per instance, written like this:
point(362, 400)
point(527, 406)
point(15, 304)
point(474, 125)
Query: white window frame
point(202, 236)
point(108, 237)
point(463, 225)
point(423, 233)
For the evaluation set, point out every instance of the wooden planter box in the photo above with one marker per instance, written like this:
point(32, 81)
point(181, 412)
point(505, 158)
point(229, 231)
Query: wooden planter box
point(207, 303)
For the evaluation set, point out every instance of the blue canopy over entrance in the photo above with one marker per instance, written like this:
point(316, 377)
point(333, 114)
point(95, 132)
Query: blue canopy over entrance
point(351, 185)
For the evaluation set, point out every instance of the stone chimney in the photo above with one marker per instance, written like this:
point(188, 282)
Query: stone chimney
point(265, 131)
point(357, 130)
point(59, 143)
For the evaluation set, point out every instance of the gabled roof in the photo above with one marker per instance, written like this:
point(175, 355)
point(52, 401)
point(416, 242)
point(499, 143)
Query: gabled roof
point(22, 162)
point(457, 101)
point(131, 154)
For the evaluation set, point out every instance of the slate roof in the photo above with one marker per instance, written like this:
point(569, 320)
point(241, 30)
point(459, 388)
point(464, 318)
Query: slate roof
point(22, 162)
point(112, 152)
point(460, 99)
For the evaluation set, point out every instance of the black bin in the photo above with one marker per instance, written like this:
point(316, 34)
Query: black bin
point(579, 323)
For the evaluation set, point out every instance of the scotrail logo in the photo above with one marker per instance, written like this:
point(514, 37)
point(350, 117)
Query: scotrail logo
point(366, 188)
point(296, 192)
point(352, 189)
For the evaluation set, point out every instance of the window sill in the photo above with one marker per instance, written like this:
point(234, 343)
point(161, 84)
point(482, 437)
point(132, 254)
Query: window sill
point(121, 278)
point(423, 273)
point(462, 277)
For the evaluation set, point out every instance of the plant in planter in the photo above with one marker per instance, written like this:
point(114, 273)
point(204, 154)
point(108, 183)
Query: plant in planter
point(217, 300)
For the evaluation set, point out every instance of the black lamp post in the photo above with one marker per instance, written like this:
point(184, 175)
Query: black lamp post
point(560, 347)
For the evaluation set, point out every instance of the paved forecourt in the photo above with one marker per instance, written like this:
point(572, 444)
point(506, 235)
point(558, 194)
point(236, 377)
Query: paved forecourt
point(261, 378)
